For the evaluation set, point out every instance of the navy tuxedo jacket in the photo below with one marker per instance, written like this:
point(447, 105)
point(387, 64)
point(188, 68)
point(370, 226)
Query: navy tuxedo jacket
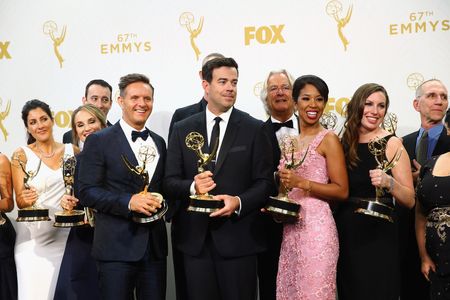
point(243, 169)
point(106, 184)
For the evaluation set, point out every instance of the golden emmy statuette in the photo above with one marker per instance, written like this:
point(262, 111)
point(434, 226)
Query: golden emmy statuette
point(50, 28)
point(282, 206)
point(390, 123)
point(203, 203)
point(334, 9)
point(146, 155)
point(69, 218)
point(379, 207)
point(187, 20)
point(34, 212)
point(3, 115)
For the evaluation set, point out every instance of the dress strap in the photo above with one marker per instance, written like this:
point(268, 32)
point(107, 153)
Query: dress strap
point(31, 157)
point(318, 139)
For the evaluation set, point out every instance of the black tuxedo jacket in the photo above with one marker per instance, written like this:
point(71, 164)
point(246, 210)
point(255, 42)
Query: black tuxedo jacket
point(442, 146)
point(187, 111)
point(243, 169)
point(106, 185)
point(67, 137)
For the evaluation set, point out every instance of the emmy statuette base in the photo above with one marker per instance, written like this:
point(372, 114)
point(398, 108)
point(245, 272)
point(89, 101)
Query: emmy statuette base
point(32, 214)
point(375, 209)
point(284, 208)
point(142, 218)
point(65, 218)
point(204, 204)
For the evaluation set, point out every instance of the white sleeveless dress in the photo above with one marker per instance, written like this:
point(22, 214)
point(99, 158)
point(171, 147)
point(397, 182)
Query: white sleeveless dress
point(39, 247)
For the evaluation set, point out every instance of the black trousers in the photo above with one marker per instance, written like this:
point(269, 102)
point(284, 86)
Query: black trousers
point(210, 276)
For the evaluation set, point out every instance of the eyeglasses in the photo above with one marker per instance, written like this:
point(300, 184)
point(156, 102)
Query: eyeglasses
point(283, 89)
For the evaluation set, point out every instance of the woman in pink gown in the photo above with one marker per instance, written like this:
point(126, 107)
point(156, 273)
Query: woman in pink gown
point(310, 249)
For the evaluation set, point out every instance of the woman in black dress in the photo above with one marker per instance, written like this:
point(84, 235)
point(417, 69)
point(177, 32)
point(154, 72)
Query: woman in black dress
point(368, 256)
point(433, 224)
point(8, 276)
point(78, 277)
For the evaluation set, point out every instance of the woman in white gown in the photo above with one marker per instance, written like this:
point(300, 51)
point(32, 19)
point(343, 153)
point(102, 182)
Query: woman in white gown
point(39, 246)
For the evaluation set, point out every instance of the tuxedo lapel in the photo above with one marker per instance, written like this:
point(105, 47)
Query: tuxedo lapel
point(200, 127)
point(228, 139)
point(160, 164)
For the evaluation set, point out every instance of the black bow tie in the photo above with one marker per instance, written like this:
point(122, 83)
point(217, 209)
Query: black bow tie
point(142, 134)
point(277, 126)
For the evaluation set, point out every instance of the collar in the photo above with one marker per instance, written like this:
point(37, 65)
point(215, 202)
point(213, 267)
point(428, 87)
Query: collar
point(127, 129)
point(224, 116)
point(434, 132)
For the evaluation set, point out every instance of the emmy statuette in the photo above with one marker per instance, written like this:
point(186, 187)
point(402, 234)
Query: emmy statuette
point(146, 155)
point(377, 207)
point(282, 206)
point(203, 203)
point(35, 212)
point(69, 218)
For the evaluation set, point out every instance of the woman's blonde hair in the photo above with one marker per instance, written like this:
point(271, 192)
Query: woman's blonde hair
point(93, 110)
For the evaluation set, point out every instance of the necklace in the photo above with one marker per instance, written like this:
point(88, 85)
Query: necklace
point(43, 154)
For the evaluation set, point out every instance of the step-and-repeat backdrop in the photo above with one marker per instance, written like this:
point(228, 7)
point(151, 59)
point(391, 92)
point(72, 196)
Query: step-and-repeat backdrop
point(49, 50)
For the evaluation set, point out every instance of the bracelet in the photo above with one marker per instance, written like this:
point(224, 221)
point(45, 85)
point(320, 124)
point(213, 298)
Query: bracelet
point(308, 189)
point(391, 184)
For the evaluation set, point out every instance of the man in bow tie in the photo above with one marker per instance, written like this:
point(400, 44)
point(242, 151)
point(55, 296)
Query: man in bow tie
point(276, 96)
point(131, 256)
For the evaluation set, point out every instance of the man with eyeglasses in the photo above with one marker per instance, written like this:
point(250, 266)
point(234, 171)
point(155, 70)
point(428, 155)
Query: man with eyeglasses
point(431, 101)
point(276, 96)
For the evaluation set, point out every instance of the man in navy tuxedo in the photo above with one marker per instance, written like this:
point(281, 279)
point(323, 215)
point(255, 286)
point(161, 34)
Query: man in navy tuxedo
point(98, 92)
point(276, 95)
point(220, 249)
point(181, 114)
point(131, 256)
point(431, 102)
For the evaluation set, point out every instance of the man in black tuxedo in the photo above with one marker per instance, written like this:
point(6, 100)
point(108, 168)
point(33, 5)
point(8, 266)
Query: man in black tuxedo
point(178, 115)
point(276, 95)
point(187, 111)
point(220, 249)
point(98, 92)
point(131, 256)
point(431, 102)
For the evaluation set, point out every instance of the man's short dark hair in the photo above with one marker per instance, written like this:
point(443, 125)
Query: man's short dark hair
point(100, 82)
point(208, 68)
point(132, 78)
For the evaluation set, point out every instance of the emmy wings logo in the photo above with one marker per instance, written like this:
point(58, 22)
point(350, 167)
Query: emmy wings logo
point(3, 115)
point(257, 89)
point(414, 80)
point(334, 10)
point(187, 20)
point(51, 29)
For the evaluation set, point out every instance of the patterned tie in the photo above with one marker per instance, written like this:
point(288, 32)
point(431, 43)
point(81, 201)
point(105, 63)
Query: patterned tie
point(214, 142)
point(277, 125)
point(142, 134)
point(422, 149)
